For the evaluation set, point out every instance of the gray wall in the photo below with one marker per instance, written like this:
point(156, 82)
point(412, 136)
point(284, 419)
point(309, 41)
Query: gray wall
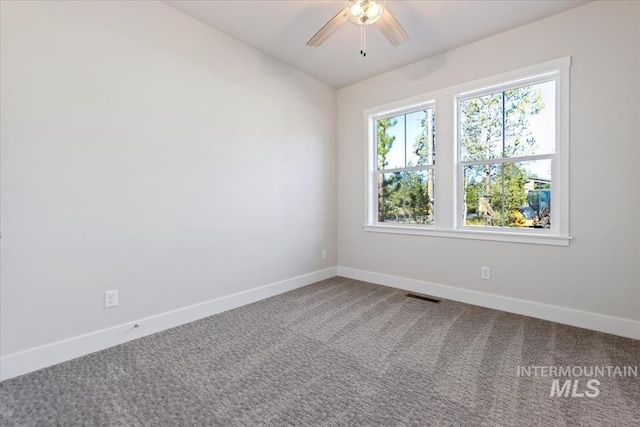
point(145, 152)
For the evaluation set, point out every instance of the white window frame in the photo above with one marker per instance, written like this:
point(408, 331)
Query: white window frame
point(448, 187)
point(372, 154)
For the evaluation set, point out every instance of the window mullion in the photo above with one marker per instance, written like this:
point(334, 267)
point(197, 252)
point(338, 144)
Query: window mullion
point(407, 169)
point(445, 171)
point(509, 160)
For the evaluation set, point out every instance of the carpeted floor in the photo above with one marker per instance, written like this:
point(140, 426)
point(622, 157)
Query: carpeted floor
point(339, 352)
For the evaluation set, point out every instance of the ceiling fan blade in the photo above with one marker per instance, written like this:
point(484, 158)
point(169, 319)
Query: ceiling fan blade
point(328, 29)
point(391, 29)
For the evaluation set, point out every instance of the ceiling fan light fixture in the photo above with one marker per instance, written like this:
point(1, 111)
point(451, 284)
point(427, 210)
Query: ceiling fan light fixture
point(364, 12)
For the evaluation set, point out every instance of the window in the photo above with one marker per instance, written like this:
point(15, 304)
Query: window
point(405, 158)
point(507, 141)
point(502, 169)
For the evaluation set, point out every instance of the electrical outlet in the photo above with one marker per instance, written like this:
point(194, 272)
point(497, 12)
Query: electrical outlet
point(485, 273)
point(110, 298)
point(324, 254)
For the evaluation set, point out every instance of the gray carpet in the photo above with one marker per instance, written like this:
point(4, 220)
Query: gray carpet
point(339, 352)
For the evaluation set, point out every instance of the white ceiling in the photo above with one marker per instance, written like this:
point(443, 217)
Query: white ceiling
point(282, 28)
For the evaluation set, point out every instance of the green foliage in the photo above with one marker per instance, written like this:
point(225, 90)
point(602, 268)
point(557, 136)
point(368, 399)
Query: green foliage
point(424, 146)
point(507, 194)
point(472, 197)
point(407, 198)
point(486, 119)
point(385, 141)
point(417, 199)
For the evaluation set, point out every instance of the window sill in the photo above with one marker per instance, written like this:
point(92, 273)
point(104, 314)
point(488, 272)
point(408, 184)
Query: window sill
point(492, 235)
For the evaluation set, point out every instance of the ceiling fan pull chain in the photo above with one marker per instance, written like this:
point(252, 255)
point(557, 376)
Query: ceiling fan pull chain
point(363, 40)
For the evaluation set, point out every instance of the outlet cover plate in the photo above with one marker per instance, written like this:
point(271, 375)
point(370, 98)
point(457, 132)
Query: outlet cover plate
point(110, 299)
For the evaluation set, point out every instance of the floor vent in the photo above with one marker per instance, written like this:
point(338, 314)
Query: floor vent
point(433, 300)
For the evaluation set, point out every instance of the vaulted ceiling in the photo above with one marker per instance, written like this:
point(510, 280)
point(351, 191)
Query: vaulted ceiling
point(282, 28)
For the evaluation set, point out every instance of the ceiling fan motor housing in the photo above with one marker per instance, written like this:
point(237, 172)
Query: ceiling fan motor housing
point(364, 12)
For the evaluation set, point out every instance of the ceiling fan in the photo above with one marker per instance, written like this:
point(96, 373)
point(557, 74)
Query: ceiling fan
point(363, 13)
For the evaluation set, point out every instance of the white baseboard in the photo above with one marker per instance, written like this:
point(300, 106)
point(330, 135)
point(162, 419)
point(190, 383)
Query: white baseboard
point(33, 359)
point(597, 322)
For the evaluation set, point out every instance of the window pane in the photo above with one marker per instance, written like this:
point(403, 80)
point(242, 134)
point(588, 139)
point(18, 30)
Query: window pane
point(421, 138)
point(406, 197)
point(391, 143)
point(516, 122)
point(406, 140)
point(481, 128)
point(508, 194)
point(530, 117)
